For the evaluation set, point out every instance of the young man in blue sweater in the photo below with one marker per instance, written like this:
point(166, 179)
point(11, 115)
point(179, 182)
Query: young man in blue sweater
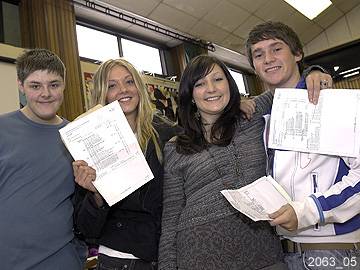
point(36, 177)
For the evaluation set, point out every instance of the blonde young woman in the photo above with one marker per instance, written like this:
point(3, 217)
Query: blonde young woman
point(127, 232)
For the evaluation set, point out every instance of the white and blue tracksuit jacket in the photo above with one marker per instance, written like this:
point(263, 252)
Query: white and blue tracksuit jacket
point(325, 191)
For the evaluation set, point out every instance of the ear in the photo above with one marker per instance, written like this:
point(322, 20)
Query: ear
point(298, 57)
point(20, 86)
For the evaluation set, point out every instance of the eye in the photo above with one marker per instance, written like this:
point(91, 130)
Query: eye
point(35, 86)
point(198, 84)
point(55, 85)
point(130, 82)
point(277, 49)
point(219, 79)
point(257, 55)
point(111, 86)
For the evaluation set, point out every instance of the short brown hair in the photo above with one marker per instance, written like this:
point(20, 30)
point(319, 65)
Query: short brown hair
point(38, 59)
point(275, 30)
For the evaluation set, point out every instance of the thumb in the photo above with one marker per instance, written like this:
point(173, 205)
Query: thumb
point(278, 213)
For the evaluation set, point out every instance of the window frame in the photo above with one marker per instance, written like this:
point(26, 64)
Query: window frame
point(119, 36)
point(244, 76)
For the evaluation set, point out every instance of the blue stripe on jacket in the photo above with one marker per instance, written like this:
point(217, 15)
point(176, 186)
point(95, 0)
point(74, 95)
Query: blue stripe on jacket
point(343, 169)
point(349, 226)
point(335, 200)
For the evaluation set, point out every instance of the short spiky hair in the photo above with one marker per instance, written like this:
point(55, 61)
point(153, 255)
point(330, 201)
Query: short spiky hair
point(275, 30)
point(38, 59)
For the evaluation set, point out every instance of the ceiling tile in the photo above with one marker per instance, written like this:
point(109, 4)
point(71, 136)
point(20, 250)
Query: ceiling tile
point(244, 29)
point(346, 5)
point(198, 9)
point(299, 23)
point(173, 18)
point(233, 18)
point(209, 32)
point(228, 22)
point(312, 31)
point(234, 43)
point(306, 51)
point(354, 22)
point(140, 7)
point(317, 44)
point(274, 10)
point(249, 5)
point(328, 16)
point(338, 33)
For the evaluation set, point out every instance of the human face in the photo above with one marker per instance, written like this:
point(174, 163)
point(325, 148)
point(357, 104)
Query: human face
point(275, 64)
point(121, 87)
point(44, 94)
point(211, 94)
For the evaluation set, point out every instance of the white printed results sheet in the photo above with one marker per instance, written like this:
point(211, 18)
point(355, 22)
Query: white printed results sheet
point(258, 199)
point(106, 142)
point(330, 127)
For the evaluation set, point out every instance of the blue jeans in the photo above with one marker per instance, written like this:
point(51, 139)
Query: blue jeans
point(111, 263)
point(323, 260)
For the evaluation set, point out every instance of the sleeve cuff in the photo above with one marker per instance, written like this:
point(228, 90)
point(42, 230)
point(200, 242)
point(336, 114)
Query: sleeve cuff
point(306, 212)
point(90, 197)
point(309, 69)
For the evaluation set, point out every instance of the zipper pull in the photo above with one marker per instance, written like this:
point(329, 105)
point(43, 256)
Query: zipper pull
point(315, 189)
point(315, 185)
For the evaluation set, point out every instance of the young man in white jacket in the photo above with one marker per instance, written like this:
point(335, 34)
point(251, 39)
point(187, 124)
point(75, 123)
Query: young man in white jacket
point(321, 229)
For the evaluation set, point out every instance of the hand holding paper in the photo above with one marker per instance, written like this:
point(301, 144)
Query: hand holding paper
point(258, 199)
point(285, 217)
point(331, 127)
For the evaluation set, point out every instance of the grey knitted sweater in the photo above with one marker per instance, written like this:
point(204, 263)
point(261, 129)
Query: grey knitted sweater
point(192, 183)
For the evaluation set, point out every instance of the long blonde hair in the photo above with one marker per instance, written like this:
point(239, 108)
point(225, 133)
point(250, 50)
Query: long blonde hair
point(145, 113)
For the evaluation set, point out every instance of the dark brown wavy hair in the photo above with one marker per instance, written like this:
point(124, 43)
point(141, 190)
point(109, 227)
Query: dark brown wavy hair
point(193, 139)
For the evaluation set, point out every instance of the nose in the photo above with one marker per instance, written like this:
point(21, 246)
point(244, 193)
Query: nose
point(211, 87)
point(45, 92)
point(121, 88)
point(269, 57)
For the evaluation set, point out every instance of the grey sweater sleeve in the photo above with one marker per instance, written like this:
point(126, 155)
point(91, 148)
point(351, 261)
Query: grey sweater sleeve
point(264, 102)
point(173, 204)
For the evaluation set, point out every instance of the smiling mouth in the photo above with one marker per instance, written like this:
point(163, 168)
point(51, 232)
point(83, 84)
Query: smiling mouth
point(124, 99)
point(213, 98)
point(45, 102)
point(272, 69)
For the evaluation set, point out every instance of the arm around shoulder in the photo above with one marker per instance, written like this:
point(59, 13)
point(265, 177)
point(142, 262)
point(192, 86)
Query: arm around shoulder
point(264, 102)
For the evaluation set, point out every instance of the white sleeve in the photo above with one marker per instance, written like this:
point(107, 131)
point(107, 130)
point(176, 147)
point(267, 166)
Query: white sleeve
point(338, 204)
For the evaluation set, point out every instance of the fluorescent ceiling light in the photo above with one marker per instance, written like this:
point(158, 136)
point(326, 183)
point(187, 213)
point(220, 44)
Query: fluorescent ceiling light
point(349, 70)
point(310, 8)
point(351, 74)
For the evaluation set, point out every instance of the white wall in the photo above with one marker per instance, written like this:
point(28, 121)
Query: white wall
point(9, 100)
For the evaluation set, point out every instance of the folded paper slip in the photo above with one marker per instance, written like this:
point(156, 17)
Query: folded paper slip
point(258, 199)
